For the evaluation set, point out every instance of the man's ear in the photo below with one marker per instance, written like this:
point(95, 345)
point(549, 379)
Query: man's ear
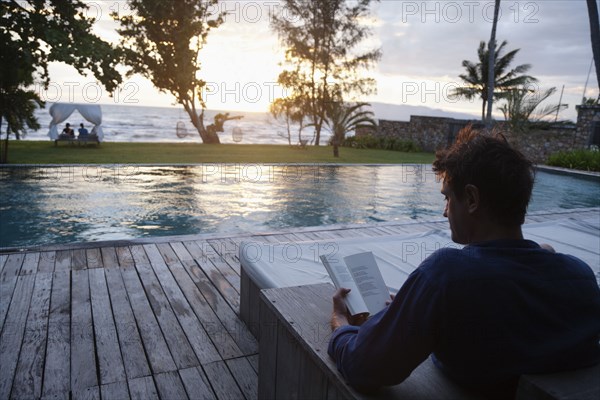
point(472, 198)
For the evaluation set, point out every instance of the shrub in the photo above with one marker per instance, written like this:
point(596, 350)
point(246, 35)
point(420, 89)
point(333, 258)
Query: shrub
point(381, 142)
point(586, 160)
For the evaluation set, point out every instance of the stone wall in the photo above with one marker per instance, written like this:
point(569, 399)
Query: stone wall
point(433, 133)
point(588, 118)
point(429, 133)
point(538, 145)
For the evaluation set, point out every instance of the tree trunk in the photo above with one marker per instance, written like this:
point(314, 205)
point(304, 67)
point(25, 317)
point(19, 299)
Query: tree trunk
point(595, 34)
point(198, 122)
point(335, 141)
point(4, 149)
point(491, 66)
point(483, 108)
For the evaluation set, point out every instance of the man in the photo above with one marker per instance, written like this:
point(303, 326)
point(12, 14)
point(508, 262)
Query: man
point(498, 308)
point(68, 131)
point(82, 131)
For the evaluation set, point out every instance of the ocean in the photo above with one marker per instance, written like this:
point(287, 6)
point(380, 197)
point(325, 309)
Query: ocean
point(124, 123)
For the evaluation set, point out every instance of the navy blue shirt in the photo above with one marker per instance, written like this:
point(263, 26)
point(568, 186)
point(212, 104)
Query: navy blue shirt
point(488, 312)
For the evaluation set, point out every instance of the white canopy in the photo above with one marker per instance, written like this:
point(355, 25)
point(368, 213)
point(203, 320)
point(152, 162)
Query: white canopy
point(61, 111)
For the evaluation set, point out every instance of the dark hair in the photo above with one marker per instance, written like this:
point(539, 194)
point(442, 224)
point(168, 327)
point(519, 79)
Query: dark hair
point(502, 174)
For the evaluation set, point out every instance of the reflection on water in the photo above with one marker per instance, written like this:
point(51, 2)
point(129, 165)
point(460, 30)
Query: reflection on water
point(72, 204)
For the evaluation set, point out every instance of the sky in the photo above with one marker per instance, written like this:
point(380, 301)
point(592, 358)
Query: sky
point(423, 45)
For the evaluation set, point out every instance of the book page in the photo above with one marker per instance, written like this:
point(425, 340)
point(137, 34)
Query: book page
point(342, 278)
point(368, 279)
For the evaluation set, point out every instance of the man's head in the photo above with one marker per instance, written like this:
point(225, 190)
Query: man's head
point(81, 125)
point(486, 170)
point(67, 125)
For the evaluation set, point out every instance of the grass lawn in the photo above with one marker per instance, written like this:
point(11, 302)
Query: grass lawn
point(44, 152)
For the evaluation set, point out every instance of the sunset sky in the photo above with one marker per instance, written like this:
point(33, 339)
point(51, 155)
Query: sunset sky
point(423, 44)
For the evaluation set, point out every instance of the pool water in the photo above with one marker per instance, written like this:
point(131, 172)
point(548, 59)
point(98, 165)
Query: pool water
point(50, 205)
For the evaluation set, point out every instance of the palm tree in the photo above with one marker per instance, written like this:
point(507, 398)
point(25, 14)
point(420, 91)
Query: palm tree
point(595, 34)
point(343, 118)
point(476, 78)
point(523, 108)
point(491, 64)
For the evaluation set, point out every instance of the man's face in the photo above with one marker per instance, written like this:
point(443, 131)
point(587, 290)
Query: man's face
point(456, 211)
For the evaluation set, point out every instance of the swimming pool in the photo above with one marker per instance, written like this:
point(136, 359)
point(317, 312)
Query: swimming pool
point(50, 205)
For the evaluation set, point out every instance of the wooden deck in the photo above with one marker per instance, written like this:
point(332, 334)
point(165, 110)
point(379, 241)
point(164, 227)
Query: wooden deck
point(142, 319)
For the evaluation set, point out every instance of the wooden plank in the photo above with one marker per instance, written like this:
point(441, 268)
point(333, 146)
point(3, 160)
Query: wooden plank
point(300, 237)
point(110, 362)
point(116, 390)
point(212, 256)
point(83, 355)
point(253, 360)
point(289, 352)
point(57, 376)
point(215, 276)
point(196, 383)
point(245, 302)
point(229, 249)
point(219, 305)
point(228, 252)
point(139, 255)
point(13, 332)
point(79, 260)
point(132, 349)
point(109, 257)
point(47, 261)
point(3, 258)
point(222, 382)
point(303, 312)
point(269, 238)
point(30, 264)
point(224, 342)
point(157, 351)
point(196, 335)
point(91, 393)
point(267, 352)
point(63, 260)
point(254, 307)
point(30, 369)
point(309, 371)
point(143, 388)
point(125, 258)
point(8, 281)
point(324, 235)
point(12, 266)
point(179, 346)
point(245, 376)
point(94, 258)
point(169, 386)
point(314, 236)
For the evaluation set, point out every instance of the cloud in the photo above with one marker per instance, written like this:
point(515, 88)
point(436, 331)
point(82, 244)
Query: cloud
point(424, 39)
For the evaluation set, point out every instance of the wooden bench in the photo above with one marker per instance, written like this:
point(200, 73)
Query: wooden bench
point(294, 364)
point(79, 140)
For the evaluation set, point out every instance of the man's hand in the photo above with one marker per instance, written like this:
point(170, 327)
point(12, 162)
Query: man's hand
point(340, 315)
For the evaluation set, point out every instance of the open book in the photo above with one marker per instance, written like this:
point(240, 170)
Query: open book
point(359, 273)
